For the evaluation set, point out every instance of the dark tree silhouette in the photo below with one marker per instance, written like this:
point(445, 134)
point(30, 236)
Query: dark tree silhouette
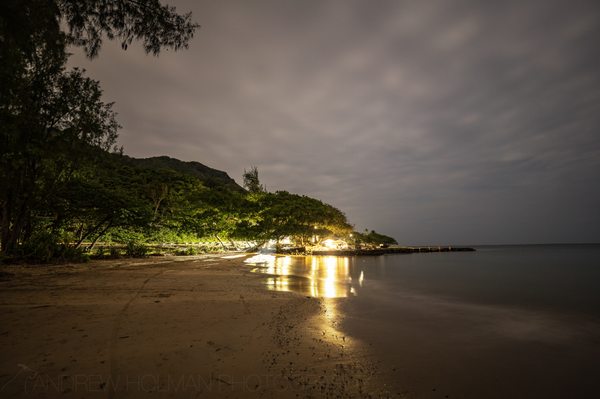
point(157, 26)
point(49, 116)
point(251, 181)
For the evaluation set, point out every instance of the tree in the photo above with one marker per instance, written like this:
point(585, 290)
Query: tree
point(373, 238)
point(284, 214)
point(49, 115)
point(251, 181)
point(44, 137)
point(157, 26)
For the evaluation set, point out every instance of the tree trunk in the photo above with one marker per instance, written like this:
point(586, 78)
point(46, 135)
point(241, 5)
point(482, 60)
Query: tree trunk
point(222, 244)
point(108, 226)
point(233, 244)
point(91, 231)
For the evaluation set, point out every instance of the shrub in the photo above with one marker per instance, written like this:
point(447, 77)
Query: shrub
point(187, 251)
point(114, 253)
point(44, 247)
point(136, 249)
point(41, 247)
point(72, 254)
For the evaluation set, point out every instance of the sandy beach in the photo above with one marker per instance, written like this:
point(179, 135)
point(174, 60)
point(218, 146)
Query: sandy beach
point(186, 327)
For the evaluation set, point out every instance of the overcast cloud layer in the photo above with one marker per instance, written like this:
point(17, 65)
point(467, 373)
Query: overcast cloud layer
point(459, 122)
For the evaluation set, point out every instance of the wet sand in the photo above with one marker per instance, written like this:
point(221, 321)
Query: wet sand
point(171, 327)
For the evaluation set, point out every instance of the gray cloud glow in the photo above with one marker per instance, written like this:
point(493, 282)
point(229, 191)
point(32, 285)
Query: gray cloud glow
point(432, 121)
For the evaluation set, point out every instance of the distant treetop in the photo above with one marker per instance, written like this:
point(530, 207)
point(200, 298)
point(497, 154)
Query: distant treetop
point(251, 181)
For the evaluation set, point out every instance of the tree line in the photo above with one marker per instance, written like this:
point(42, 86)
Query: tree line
point(65, 185)
point(54, 124)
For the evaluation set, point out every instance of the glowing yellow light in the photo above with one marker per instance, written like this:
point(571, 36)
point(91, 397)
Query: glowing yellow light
point(270, 268)
point(261, 259)
point(283, 265)
point(286, 261)
point(329, 243)
point(320, 276)
point(330, 265)
point(330, 280)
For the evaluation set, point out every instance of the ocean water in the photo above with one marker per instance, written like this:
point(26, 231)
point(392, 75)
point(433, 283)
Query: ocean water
point(501, 322)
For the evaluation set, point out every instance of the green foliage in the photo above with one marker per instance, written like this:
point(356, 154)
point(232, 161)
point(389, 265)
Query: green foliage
point(168, 206)
point(49, 118)
point(62, 190)
point(43, 247)
point(282, 214)
point(373, 238)
point(211, 178)
point(114, 253)
point(73, 254)
point(136, 249)
point(252, 182)
point(189, 251)
point(55, 126)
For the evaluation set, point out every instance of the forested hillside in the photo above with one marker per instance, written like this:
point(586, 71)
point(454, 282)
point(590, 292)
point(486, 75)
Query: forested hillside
point(111, 198)
point(209, 176)
point(64, 184)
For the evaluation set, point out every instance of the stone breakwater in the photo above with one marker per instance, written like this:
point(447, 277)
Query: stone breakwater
point(374, 252)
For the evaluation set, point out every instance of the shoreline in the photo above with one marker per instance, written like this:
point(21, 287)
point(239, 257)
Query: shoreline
point(202, 325)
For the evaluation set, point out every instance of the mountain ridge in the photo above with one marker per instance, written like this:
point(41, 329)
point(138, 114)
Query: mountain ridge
point(211, 177)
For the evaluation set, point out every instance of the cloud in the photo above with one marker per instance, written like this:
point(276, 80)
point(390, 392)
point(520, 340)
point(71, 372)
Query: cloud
point(432, 121)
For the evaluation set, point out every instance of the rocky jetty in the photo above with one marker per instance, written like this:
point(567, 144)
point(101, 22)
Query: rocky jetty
point(372, 251)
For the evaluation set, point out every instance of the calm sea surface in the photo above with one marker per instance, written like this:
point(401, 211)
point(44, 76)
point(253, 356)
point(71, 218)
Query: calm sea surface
point(501, 322)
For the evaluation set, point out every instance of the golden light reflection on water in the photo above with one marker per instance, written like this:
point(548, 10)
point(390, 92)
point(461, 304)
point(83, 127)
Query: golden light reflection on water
point(317, 276)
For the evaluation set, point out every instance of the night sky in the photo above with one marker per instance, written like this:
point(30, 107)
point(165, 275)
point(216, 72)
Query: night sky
point(450, 122)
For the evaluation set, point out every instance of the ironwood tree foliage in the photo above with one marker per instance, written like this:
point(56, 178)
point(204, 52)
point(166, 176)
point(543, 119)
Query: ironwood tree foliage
point(50, 117)
point(156, 25)
point(252, 182)
point(373, 238)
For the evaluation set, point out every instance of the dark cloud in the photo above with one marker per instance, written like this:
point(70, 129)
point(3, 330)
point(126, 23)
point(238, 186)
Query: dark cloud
point(432, 121)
